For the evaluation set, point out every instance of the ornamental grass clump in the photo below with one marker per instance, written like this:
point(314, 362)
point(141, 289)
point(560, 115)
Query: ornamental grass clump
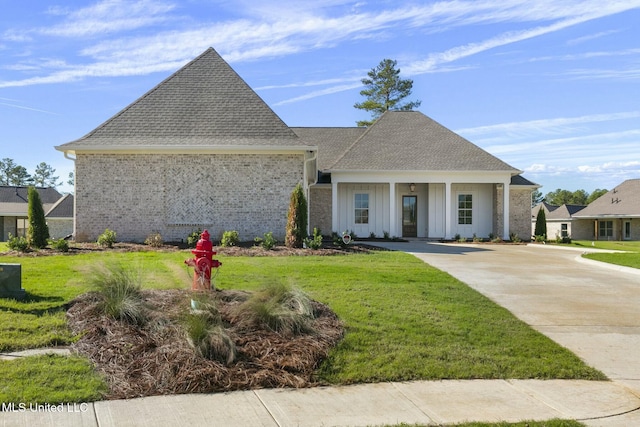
point(206, 333)
point(281, 308)
point(120, 294)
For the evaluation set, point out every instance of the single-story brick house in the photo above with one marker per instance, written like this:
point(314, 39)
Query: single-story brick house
point(14, 206)
point(203, 150)
point(613, 216)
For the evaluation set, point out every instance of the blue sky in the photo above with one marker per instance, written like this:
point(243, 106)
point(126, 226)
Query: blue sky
point(551, 87)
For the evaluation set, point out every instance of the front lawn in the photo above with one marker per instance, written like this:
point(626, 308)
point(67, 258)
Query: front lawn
point(404, 319)
point(629, 259)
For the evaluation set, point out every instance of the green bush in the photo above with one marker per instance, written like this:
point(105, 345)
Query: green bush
point(279, 307)
point(268, 242)
point(37, 232)
point(107, 239)
point(120, 292)
point(154, 240)
point(18, 243)
point(314, 242)
point(514, 237)
point(541, 224)
point(230, 238)
point(60, 245)
point(193, 237)
point(296, 228)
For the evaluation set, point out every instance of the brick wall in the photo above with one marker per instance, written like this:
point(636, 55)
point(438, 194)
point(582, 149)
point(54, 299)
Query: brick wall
point(320, 208)
point(520, 213)
point(174, 194)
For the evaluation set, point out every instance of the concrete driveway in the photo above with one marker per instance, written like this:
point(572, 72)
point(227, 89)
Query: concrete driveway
point(591, 308)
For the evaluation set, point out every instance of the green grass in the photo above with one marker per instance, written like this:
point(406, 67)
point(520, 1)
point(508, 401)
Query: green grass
point(49, 379)
point(630, 259)
point(548, 423)
point(625, 245)
point(404, 319)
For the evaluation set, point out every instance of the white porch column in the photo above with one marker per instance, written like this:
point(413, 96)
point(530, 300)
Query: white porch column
point(334, 208)
point(393, 232)
point(505, 203)
point(447, 210)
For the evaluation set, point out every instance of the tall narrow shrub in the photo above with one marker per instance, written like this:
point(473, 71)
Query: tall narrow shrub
point(38, 232)
point(541, 223)
point(296, 229)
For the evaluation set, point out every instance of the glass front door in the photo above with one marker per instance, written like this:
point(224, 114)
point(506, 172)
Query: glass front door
point(409, 216)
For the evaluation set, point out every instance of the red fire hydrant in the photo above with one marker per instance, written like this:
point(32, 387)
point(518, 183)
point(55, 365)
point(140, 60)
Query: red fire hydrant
point(203, 263)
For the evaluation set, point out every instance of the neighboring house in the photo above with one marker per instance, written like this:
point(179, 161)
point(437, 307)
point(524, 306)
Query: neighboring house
point(14, 206)
point(202, 150)
point(614, 215)
point(560, 221)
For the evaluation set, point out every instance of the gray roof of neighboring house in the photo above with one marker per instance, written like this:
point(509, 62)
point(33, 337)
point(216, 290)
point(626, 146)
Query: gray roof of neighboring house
point(411, 141)
point(622, 201)
point(62, 209)
point(205, 103)
point(564, 212)
point(19, 194)
point(521, 180)
point(331, 142)
point(14, 200)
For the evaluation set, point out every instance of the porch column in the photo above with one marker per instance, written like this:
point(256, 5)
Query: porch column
point(334, 208)
point(447, 210)
point(393, 232)
point(505, 203)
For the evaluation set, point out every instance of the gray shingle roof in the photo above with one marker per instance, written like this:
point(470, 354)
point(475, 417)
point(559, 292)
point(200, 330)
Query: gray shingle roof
point(564, 212)
point(13, 194)
point(622, 201)
point(62, 209)
point(411, 141)
point(331, 142)
point(204, 103)
point(521, 180)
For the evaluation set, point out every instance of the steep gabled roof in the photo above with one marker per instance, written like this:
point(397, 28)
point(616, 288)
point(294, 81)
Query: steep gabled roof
point(411, 141)
point(205, 103)
point(622, 201)
point(331, 142)
point(564, 212)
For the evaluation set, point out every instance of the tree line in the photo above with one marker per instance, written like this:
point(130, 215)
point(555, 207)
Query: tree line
point(17, 175)
point(561, 197)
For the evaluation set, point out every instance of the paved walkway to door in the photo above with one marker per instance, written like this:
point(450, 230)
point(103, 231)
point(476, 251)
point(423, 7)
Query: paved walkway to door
point(589, 307)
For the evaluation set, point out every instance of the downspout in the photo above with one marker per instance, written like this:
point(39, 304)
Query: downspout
point(310, 180)
point(75, 199)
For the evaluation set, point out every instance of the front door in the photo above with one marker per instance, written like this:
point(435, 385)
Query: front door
point(627, 230)
point(409, 216)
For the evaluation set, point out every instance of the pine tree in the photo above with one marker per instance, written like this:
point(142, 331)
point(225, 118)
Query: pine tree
point(384, 91)
point(38, 232)
point(296, 229)
point(541, 223)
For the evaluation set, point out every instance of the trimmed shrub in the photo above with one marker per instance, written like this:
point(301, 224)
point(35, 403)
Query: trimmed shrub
point(314, 242)
point(154, 240)
point(60, 245)
point(230, 238)
point(268, 242)
point(18, 243)
point(193, 237)
point(541, 225)
point(296, 229)
point(120, 292)
point(107, 239)
point(37, 232)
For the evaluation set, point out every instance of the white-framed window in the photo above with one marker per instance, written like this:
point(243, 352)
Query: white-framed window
point(564, 230)
point(465, 209)
point(21, 227)
point(361, 205)
point(605, 228)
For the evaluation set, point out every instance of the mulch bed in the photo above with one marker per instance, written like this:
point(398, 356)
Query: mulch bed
point(156, 358)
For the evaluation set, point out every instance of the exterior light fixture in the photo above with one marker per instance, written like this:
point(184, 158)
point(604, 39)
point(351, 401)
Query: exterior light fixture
point(412, 187)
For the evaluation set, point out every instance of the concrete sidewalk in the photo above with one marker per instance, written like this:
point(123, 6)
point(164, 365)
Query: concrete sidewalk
point(423, 402)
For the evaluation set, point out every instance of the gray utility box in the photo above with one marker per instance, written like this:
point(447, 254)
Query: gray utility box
point(11, 281)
